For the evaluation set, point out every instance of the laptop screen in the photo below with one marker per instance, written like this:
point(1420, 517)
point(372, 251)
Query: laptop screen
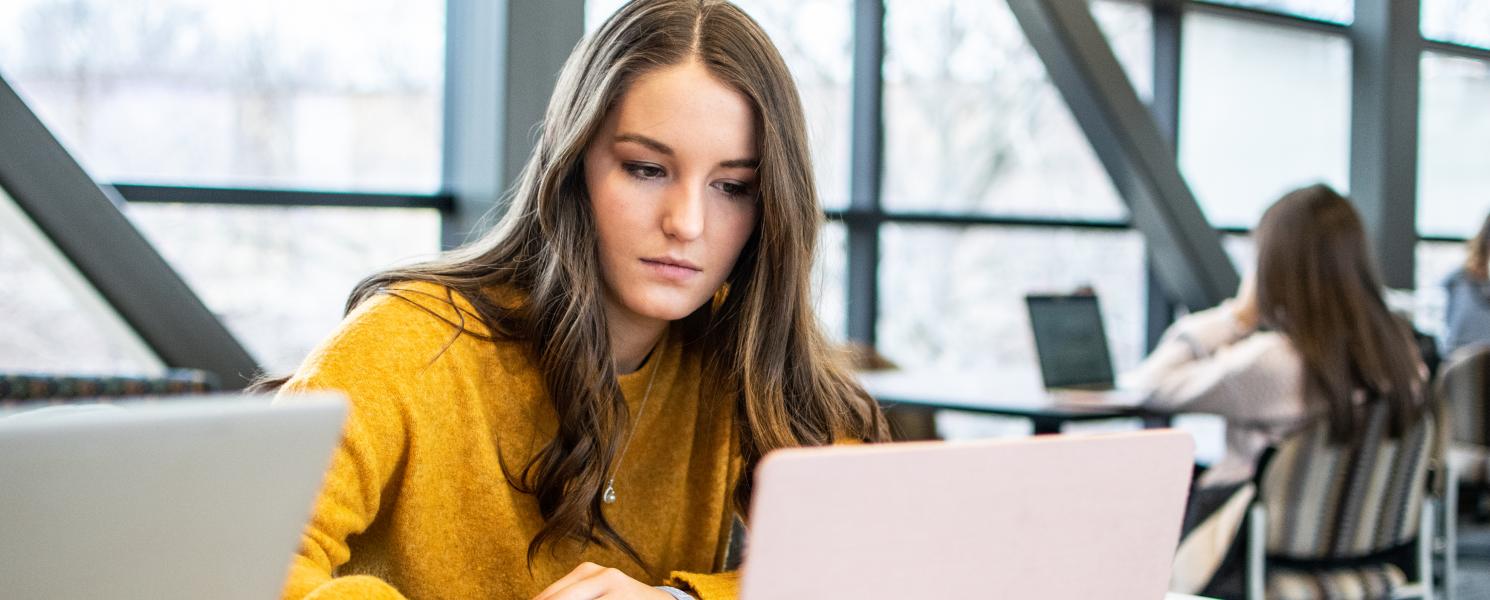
point(1070, 341)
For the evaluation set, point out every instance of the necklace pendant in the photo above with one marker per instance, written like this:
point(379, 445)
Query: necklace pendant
point(609, 497)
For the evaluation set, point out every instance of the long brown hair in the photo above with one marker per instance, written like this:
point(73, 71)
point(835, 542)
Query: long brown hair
point(760, 343)
point(1318, 284)
point(1477, 262)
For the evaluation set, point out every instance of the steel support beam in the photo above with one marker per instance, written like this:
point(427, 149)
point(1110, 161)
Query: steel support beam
point(1168, 27)
point(1386, 47)
point(866, 153)
point(1187, 255)
point(87, 227)
point(502, 58)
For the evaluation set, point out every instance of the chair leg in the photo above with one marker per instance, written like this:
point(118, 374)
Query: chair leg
point(1257, 541)
point(1450, 522)
point(1425, 546)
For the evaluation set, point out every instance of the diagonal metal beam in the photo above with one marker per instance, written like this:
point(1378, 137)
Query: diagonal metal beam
point(86, 225)
point(1188, 258)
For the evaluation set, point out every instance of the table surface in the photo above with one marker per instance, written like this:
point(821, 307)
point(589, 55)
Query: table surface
point(1005, 392)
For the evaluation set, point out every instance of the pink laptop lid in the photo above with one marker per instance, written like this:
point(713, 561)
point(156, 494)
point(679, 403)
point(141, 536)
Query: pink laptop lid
point(1050, 517)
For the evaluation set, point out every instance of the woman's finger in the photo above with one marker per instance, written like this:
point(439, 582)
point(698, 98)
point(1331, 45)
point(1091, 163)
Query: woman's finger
point(597, 585)
point(584, 570)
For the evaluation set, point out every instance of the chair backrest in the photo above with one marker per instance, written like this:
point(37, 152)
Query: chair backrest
point(1328, 501)
point(1464, 387)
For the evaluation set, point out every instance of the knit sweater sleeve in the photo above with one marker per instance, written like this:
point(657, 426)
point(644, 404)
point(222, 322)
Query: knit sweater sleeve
point(379, 358)
point(709, 586)
point(1206, 364)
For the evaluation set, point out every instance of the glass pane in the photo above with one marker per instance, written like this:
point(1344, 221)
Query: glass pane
point(1265, 110)
point(1339, 11)
point(1242, 251)
point(816, 39)
point(972, 122)
point(55, 322)
point(1435, 262)
point(1454, 169)
point(953, 298)
point(830, 280)
point(340, 94)
point(279, 277)
point(1458, 21)
point(1129, 27)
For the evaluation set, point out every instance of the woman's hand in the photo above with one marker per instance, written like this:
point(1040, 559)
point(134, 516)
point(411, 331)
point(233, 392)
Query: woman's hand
point(590, 581)
point(1246, 303)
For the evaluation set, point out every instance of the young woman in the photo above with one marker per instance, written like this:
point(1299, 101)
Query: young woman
point(1467, 312)
point(572, 406)
point(1309, 336)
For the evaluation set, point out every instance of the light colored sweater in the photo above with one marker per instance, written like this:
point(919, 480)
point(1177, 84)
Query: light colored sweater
point(415, 504)
point(1205, 363)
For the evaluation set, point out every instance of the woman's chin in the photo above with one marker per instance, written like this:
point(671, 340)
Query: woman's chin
point(666, 306)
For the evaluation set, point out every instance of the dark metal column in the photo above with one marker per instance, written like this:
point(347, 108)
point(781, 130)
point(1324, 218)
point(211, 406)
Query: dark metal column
point(86, 225)
point(502, 59)
point(1165, 105)
point(1190, 262)
point(1386, 46)
point(864, 188)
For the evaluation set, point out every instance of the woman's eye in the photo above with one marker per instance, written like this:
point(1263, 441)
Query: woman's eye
point(643, 170)
point(734, 188)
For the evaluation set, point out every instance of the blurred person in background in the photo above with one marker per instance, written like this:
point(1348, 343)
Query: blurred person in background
point(1467, 293)
point(1309, 336)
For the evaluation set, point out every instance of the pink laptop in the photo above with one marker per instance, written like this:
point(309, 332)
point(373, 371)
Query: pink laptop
point(1049, 517)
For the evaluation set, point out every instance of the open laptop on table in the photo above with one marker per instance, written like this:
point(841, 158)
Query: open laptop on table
point(1071, 342)
point(176, 499)
point(1056, 518)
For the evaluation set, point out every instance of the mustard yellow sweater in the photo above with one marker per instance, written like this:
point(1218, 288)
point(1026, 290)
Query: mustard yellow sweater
point(415, 504)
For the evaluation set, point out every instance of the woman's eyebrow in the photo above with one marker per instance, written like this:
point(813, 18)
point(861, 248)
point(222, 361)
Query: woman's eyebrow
point(636, 138)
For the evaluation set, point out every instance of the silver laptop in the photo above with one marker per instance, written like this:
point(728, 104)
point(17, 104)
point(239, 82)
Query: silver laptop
point(1049, 517)
point(202, 498)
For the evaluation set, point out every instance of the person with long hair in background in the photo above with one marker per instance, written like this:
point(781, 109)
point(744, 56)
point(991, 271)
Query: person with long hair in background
point(572, 406)
point(1309, 336)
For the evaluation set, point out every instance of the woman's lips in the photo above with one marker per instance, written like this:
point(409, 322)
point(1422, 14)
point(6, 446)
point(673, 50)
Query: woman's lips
point(672, 270)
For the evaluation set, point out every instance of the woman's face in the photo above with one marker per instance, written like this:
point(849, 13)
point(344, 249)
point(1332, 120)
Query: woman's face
point(672, 184)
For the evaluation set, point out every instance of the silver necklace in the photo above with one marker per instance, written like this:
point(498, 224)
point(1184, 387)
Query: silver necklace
point(610, 485)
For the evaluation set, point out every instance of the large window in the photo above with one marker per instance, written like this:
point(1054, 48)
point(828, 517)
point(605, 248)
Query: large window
point(55, 322)
point(1460, 21)
point(319, 94)
point(972, 122)
point(990, 189)
point(279, 276)
point(974, 127)
point(1264, 110)
point(1338, 11)
point(828, 277)
point(332, 94)
point(953, 298)
point(1454, 132)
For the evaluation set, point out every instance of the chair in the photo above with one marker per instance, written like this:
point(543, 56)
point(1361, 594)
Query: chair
point(1464, 386)
point(1330, 519)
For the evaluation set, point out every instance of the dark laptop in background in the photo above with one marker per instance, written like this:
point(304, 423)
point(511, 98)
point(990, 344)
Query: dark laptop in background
point(1071, 342)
